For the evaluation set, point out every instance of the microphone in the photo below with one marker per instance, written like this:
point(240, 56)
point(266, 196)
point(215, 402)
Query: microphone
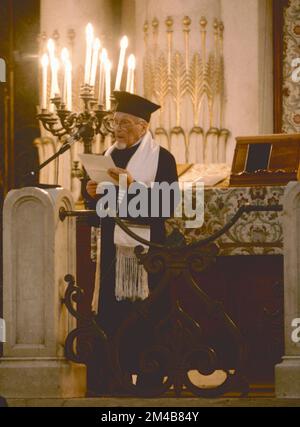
point(76, 136)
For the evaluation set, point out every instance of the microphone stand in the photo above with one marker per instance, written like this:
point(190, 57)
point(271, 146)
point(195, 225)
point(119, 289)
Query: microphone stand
point(30, 177)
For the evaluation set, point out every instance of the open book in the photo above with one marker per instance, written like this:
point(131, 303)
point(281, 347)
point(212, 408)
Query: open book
point(210, 174)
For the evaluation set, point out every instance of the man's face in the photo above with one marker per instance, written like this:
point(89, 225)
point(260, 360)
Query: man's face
point(128, 129)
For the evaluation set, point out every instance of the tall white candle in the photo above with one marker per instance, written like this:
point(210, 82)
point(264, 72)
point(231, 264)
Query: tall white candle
point(107, 84)
point(45, 63)
point(89, 31)
point(55, 68)
point(96, 47)
point(123, 47)
point(69, 85)
point(133, 65)
point(128, 81)
point(103, 60)
point(130, 74)
point(51, 50)
point(54, 88)
point(65, 59)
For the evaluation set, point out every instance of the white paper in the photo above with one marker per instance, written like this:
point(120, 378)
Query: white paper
point(96, 166)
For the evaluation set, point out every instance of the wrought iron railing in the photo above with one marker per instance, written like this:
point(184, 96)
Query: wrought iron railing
point(182, 344)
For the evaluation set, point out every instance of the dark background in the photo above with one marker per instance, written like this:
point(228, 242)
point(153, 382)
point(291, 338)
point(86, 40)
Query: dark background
point(19, 31)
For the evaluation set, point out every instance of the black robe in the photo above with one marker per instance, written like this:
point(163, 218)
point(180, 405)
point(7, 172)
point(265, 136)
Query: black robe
point(111, 312)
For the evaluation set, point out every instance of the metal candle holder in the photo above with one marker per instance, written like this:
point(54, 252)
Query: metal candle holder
point(94, 118)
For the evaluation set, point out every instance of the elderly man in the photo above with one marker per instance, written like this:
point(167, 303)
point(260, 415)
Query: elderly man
point(136, 155)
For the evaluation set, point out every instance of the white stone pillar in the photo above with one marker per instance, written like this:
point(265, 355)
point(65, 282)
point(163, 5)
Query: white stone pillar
point(38, 251)
point(287, 373)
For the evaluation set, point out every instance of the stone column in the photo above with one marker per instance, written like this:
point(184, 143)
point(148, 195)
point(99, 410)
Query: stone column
point(287, 373)
point(38, 251)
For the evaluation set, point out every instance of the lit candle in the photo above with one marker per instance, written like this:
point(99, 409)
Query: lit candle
point(55, 68)
point(45, 63)
point(89, 31)
point(69, 85)
point(65, 59)
point(103, 60)
point(51, 49)
point(130, 74)
point(96, 48)
point(131, 89)
point(107, 84)
point(123, 47)
point(54, 89)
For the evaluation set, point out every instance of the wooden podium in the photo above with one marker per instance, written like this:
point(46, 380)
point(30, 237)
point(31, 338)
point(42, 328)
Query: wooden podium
point(266, 160)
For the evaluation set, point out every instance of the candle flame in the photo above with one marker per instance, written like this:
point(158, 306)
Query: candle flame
point(65, 55)
point(89, 31)
point(104, 55)
point(124, 42)
point(55, 64)
point(131, 62)
point(97, 44)
point(51, 47)
point(45, 60)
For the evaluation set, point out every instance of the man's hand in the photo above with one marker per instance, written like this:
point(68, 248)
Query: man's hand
point(91, 188)
point(115, 172)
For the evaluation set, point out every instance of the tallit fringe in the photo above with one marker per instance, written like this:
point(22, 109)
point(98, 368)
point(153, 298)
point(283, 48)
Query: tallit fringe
point(131, 277)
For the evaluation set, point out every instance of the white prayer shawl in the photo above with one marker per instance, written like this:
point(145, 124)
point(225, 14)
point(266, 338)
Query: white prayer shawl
point(131, 277)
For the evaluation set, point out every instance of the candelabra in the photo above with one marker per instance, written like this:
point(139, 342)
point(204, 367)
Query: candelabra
point(94, 119)
point(84, 125)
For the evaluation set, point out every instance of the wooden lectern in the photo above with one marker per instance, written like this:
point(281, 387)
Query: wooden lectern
point(266, 160)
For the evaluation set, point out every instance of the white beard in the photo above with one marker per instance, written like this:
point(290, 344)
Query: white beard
point(121, 145)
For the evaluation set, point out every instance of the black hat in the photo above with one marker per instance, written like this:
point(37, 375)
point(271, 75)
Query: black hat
point(135, 105)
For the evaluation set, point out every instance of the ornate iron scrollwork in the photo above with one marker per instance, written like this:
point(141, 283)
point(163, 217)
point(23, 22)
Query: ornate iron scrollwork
point(88, 332)
point(180, 343)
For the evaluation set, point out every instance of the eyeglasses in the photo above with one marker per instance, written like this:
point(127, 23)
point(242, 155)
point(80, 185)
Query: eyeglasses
point(123, 124)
